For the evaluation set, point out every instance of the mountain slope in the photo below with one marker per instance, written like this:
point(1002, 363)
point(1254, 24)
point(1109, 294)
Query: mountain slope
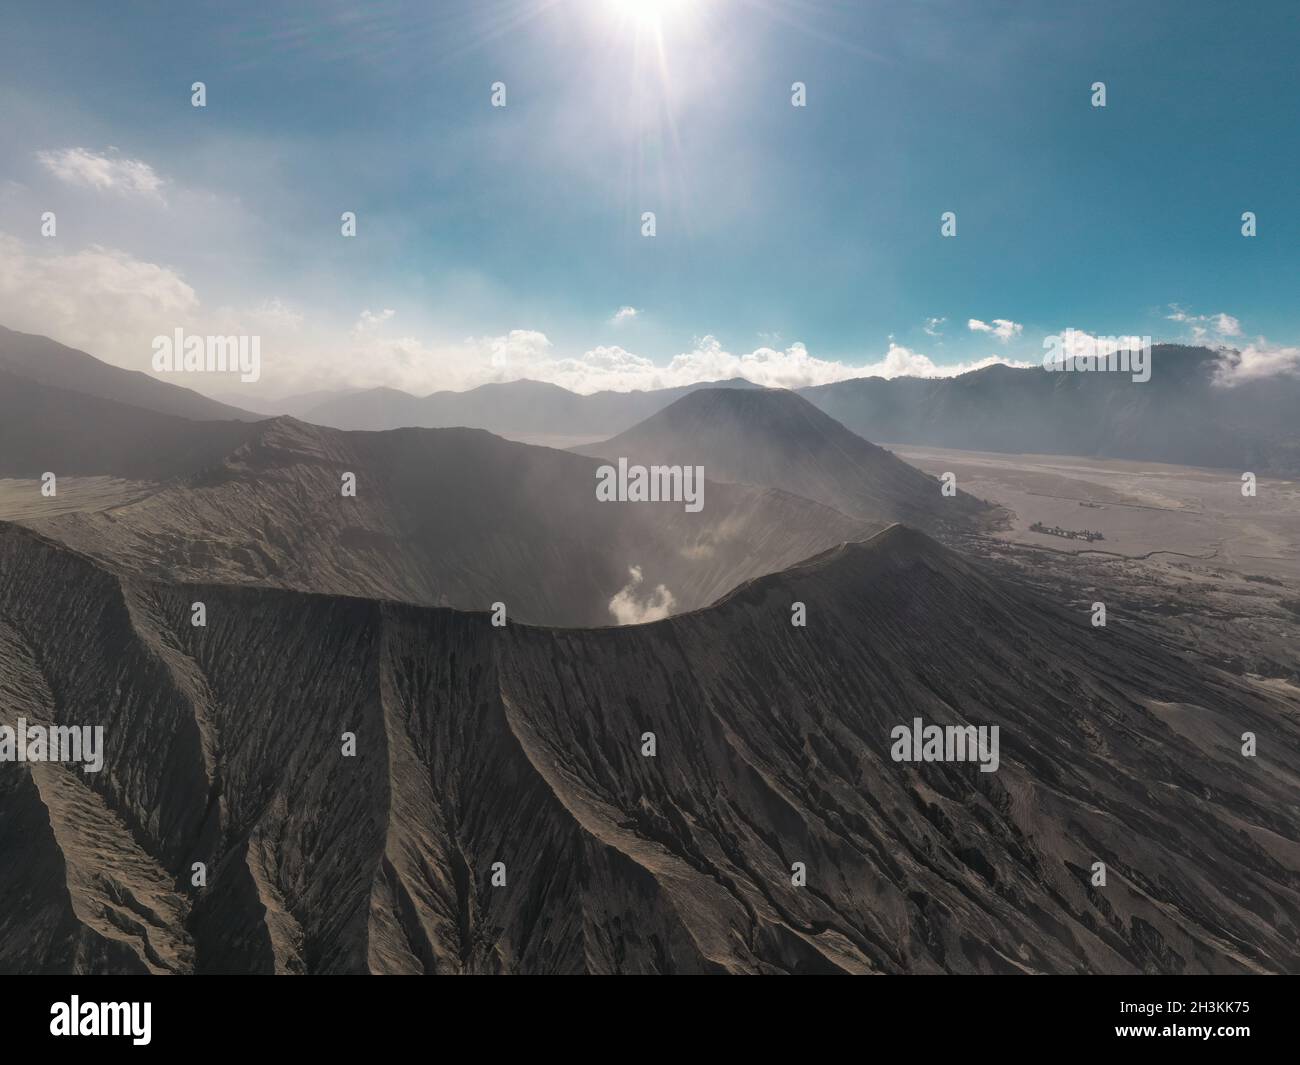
point(774, 437)
point(453, 517)
point(47, 362)
point(520, 746)
point(45, 429)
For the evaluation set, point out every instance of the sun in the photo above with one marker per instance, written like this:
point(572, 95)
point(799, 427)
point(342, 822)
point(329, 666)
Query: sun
point(649, 14)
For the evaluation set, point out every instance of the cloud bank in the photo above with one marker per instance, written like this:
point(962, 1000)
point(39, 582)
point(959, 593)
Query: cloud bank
point(111, 304)
point(528, 354)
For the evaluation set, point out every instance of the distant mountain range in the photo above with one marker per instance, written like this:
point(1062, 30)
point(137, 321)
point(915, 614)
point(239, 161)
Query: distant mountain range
point(515, 409)
point(1183, 414)
point(500, 813)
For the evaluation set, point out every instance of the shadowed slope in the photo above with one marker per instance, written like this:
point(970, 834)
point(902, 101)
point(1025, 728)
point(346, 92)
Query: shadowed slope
point(70, 433)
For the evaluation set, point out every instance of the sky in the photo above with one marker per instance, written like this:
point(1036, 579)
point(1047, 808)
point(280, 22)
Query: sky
point(792, 245)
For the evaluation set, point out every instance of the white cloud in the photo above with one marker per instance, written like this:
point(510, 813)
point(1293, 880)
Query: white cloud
point(1258, 359)
point(370, 321)
point(615, 368)
point(1001, 328)
point(1078, 343)
point(630, 609)
point(524, 353)
point(624, 314)
point(519, 347)
point(111, 304)
point(99, 299)
point(931, 327)
point(1206, 326)
point(903, 362)
point(1226, 325)
point(103, 172)
point(275, 315)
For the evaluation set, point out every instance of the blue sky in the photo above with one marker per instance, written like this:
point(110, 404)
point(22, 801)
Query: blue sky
point(500, 242)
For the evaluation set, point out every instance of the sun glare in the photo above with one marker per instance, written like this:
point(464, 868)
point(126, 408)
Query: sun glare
point(651, 14)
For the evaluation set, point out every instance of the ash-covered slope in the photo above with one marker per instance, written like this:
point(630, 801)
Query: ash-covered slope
point(477, 746)
point(47, 362)
point(776, 438)
point(453, 517)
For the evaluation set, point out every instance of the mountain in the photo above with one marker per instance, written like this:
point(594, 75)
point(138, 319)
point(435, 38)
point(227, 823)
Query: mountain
point(513, 409)
point(371, 409)
point(45, 429)
point(773, 437)
point(1182, 415)
point(46, 362)
point(499, 815)
point(454, 517)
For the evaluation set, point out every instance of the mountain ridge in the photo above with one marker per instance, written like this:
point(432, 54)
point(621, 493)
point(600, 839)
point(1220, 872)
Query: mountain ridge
point(47, 362)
